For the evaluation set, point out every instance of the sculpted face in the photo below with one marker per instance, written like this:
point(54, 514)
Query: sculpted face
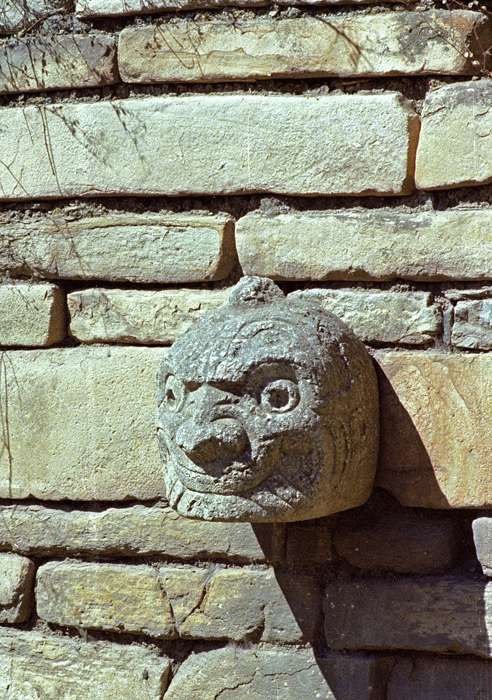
point(267, 411)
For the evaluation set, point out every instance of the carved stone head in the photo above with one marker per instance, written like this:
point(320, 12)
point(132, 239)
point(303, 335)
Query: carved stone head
point(267, 411)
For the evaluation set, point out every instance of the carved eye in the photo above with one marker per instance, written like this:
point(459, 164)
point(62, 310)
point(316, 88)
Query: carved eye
point(280, 395)
point(174, 393)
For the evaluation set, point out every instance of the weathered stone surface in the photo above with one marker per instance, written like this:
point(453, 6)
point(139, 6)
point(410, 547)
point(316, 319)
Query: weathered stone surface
point(267, 412)
point(472, 327)
point(440, 679)
point(383, 535)
point(62, 61)
point(233, 673)
point(31, 314)
point(455, 143)
point(79, 424)
point(195, 603)
point(210, 144)
point(309, 543)
point(428, 614)
point(104, 596)
point(136, 316)
point(34, 666)
point(482, 536)
point(121, 247)
point(436, 428)
point(381, 317)
point(20, 14)
point(138, 530)
point(16, 582)
point(113, 8)
point(365, 45)
point(367, 245)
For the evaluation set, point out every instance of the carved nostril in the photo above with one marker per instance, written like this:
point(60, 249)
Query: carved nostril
point(221, 439)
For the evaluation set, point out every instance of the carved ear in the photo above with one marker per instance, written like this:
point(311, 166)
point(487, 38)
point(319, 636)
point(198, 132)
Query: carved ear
point(255, 291)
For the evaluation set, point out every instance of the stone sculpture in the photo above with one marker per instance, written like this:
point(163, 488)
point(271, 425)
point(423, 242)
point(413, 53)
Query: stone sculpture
point(267, 411)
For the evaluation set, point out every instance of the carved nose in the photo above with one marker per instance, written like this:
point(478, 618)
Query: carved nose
point(220, 439)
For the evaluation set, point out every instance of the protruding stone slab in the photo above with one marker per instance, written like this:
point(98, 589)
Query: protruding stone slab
point(404, 43)
point(15, 15)
point(455, 146)
point(137, 316)
point(472, 327)
point(381, 317)
point(482, 536)
point(80, 424)
point(62, 61)
point(113, 8)
point(367, 245)
point(31, 314)
point(33, 665)
point(16, 583)
point(194, 603)
point(210, 144)
point(427, 614)
point(138, 530)
point(121, 247)
point(436, 428)
point(233, 672)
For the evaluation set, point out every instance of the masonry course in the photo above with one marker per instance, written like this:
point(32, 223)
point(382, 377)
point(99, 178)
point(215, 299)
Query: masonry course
point(210, 144)
point(367, 244)
point(32, 314)
point(124, 247)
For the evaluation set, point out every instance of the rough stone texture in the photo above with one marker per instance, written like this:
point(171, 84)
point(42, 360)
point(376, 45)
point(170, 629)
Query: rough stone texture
point(20, 14)
point(210, 144)
point(309, 543)
point(428, 614)
point(367, 244)
point(455, 143)
point(31, 314)
point(381, 317)
point(62, 61)
point(233, 673)
point(16, 583)
point(138, 530)
point(365, 45)
point(472, 327)
point(482, 536)
point(113, 8)
point(137, 316)
point(382, 535)
point(121, 247)
point(194, 603)
point(104, 596)
point(436, 428)
point(267, 411)
point(78, 424)
point(35, 666)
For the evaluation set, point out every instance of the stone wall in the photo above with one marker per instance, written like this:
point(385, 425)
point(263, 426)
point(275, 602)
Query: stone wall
point(151, 153)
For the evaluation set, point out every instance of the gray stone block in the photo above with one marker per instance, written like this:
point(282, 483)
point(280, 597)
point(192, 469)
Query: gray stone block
point(482, 536)
point(472, 327)
point(16, 588)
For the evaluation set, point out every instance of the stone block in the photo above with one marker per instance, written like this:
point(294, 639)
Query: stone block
point(482, 536)
point(137, 530)
point(104, 596)
point(122, 247)
point(194, 603)
point(210, 144)
point(31, 314)
point(62, 61)
point(233, 673)
point(404, 43)
point(430, 614)
point(16, 584)
point(21, 14)
point(34, 666)
point(424, 678)
point(137, 316)
point(381, 317)
point(113, 8)
point(78, 424)
point(367, 244)
point(436, 428)
point(459, 114)
point(309, 543)
point(472, 327)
